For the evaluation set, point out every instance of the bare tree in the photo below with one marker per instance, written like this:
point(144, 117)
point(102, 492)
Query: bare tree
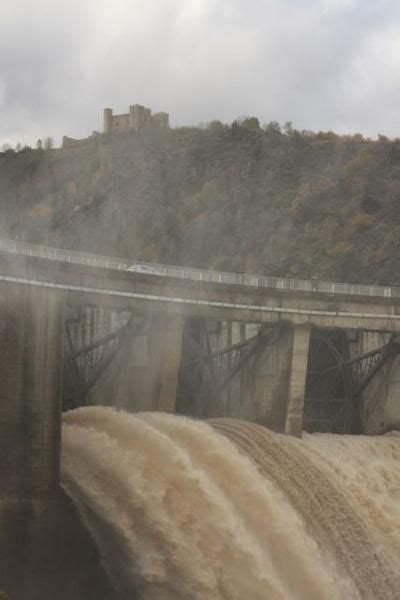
point(48, 143)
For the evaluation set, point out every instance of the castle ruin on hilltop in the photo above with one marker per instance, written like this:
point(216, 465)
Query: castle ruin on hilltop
point(138, 118)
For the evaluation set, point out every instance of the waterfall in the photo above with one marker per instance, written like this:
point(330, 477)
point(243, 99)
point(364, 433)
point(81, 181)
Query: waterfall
point(190, 510)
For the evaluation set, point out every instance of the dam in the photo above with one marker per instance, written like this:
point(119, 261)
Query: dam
point(283, 354)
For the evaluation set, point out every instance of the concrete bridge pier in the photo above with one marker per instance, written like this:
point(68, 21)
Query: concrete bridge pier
point(297, 380)
point(171, 359)
point(31, 332)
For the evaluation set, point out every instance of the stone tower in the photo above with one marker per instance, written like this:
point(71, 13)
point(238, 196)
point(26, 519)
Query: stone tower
point(139, 117)
point(108, 117)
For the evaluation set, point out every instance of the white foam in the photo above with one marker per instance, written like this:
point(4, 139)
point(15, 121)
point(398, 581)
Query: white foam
point(182, 509)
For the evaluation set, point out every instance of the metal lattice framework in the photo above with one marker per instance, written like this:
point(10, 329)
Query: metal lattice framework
point(227, 363)
point(210, 373)
point(85, 364)
point(365, 366)
point(334, 391)
point(328, 405)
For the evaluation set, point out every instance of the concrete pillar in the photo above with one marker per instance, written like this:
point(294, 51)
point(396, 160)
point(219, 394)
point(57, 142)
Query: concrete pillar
point(31, 330)
point(171, 360)
point(266, 382)
point(297, 381)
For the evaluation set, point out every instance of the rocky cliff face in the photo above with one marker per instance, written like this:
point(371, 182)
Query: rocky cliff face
point(233, 198)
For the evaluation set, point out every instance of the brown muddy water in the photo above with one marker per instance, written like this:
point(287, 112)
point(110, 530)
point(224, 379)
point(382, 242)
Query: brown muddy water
point(227, 510)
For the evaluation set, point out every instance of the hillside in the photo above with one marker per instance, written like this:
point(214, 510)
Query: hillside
point(234, 197)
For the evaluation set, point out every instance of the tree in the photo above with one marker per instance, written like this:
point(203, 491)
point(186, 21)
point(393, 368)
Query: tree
point(235, 128)
point(288, 128)
point(48, 143)
point(273, 127)
point(382, 138)
point(251, 124)
point(326, 136)
point(216, 127)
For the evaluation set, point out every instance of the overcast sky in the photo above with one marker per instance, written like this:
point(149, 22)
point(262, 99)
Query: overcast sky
point(322, 64)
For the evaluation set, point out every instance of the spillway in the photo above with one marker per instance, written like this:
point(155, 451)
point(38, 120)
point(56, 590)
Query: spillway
point(227, 510)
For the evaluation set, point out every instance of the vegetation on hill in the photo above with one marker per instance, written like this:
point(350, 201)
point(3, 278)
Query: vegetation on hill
point(239, 197)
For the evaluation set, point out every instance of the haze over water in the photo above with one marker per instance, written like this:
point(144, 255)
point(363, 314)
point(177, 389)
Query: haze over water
point(227, 510)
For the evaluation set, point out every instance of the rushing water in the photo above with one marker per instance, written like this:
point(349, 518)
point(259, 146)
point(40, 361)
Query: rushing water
point(189, 510)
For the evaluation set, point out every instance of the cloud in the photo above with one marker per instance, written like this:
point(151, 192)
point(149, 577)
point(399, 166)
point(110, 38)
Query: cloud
point(323, 64)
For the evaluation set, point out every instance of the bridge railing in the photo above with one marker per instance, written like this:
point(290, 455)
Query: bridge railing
point(70, 256)
point(195, 274)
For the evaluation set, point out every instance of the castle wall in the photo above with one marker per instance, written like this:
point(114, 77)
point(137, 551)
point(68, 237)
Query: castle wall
point(137, 118)
point(68, 142)
point(120, 123)
point(161, 119)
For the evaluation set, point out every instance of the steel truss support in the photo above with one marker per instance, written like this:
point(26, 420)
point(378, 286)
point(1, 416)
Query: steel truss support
point(365, 366)
point(334, 391)
point(85, 365)
point(211, 373)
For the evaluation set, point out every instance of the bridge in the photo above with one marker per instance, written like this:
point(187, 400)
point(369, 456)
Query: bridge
point(243, 297)
point(288, 353)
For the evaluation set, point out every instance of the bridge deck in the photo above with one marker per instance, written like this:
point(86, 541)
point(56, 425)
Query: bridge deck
point(200, 275)
point(211, 294)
